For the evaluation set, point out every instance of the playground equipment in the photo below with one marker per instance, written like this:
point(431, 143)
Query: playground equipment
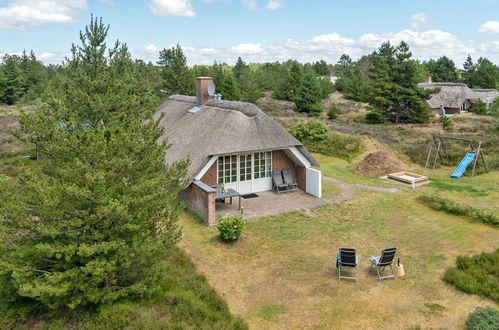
point(438, 146)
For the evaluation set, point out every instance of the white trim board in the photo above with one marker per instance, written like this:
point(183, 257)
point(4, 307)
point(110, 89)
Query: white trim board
point(296, 155)
point(206, 168)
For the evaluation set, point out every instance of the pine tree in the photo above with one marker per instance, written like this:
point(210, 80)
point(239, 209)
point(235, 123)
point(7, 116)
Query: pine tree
point(486, 75)
point(88, 229)
point(445, 70)
point(309, 95)
point(294, 81)
point(240, 69)
point(13, 80)
point(177, 76)
point(228, 88)
point(469, 71)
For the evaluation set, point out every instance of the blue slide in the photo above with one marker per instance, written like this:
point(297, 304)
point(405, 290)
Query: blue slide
point(461, 168)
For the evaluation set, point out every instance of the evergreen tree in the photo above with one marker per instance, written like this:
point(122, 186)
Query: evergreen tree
point(13, 80)
point(177, 76)
point(445, 70)
point(35, 75)
point(294, 81)
point(309, 95)
point(321, 68)
point(89, 228)
point(395, 91)
point(240, 69)
point(486, 74)
point(469, 71)
point(249, 87)
point(228, 88)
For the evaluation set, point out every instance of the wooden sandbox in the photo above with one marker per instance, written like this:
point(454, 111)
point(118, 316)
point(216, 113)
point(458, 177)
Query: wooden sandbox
point(407, 177)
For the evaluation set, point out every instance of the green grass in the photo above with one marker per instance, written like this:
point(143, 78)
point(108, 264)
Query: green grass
point(183, 300)
point(268, 311)
point(477, 274)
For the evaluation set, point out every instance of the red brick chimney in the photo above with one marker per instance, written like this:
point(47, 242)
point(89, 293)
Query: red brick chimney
point(202, 89)
point(428, 80)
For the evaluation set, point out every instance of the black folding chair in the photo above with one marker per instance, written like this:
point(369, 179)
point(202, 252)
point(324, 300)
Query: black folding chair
point(385, 259)
point(347, 258)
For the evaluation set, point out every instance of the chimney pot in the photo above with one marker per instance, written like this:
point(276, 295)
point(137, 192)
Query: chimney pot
point(202, 95)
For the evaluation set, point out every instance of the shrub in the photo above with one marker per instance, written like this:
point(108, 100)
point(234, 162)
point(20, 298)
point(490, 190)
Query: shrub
point(493, 164)
point(230, 227)
point(441, 204)
point(311, 130)
point(374, 117)
point(476, 274)
point(333, 112)
point(447, 123)
point(479, 108)
point(337, 145)
point(315, 109)
point(483, 318)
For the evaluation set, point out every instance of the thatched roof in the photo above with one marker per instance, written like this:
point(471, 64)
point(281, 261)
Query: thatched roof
point(453, 95)
point(488, 96)
point(450, 95)
point(219, 127)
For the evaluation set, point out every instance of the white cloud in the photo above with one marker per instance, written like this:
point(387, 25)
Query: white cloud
point(329, 47)
point(247, 49)
point(273, 5)
point(490, 27)
point(172, 8)
point(152, 49)
point(417, 20)
point(19, 14)
point(250, 4)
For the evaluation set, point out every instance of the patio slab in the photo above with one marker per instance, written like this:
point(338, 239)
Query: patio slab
point(269, 203)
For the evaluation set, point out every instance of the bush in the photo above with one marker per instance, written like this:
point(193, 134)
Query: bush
point(476, 274)
point(447, 123)
point(483, 318)
point(374, 117)
point(315, 109)
point(441, 204)
point(493, 164)
point(479, 108)
point(311, 130)
point(333, 112)
point(230, 227)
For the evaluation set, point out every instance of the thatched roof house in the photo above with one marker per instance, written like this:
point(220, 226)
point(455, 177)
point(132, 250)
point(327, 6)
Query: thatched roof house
point(228, 143)
point(455, 98)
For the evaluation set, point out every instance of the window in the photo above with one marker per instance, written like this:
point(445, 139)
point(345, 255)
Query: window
point(262, 166)
point(244, 167)
point(227, 169)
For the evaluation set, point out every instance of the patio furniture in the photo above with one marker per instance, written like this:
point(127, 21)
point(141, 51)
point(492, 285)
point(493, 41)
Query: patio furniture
point(347, 258)
point(382, 261)
point(278, 182)
point(290, 180)
point(228, 194)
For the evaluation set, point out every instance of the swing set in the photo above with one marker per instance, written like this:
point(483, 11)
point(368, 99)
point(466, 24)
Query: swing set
point(438, 146)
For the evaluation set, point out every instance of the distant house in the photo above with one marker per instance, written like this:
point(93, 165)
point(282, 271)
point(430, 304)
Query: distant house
point(230, 143)
point(456, 98)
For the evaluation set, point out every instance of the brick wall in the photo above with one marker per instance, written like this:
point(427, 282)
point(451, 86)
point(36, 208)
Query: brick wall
point(210, 177)
point(280, 161)
point(200, 202)
point(301, 177)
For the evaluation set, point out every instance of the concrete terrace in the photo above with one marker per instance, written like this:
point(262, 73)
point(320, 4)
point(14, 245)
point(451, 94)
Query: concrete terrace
point(269, 203)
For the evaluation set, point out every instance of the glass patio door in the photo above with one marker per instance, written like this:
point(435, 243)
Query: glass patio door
point(245, 173)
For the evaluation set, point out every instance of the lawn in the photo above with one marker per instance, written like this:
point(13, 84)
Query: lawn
point(280, 273)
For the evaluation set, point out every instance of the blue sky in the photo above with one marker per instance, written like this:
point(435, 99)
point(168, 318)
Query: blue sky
point(257, 30)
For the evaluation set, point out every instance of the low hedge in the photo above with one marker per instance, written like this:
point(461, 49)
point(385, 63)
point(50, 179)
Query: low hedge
point(442, 204)
point(483, 318)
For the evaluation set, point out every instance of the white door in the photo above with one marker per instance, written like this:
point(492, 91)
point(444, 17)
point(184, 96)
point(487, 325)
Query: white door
point(245, 174)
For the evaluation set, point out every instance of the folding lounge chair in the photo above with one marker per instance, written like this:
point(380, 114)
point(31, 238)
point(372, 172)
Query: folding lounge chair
point(290, 180)
point(278, 182)
point(386, 259)
point(347, 258)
